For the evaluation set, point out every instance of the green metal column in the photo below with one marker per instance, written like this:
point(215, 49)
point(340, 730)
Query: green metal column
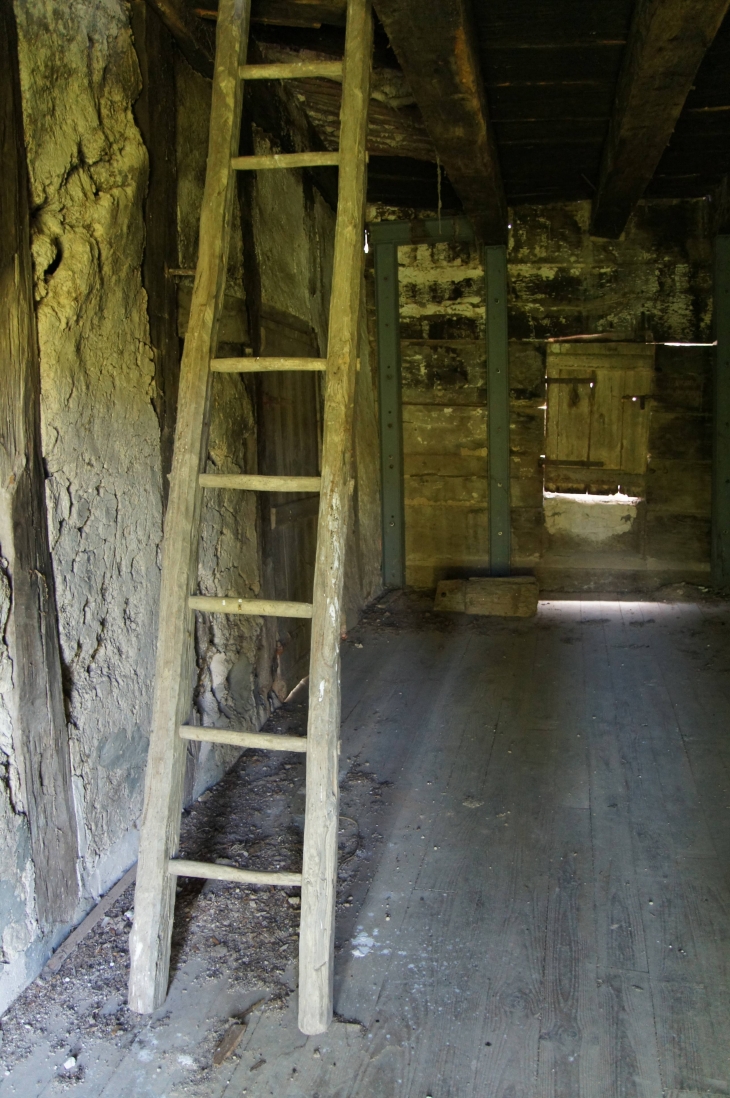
point(391, 430)
point(721, 433)
point(495, 270)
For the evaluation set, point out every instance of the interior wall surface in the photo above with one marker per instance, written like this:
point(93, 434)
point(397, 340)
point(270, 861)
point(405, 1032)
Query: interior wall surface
point(653, 285)
point(277, 302)
point(88, 172)
point(101, 435)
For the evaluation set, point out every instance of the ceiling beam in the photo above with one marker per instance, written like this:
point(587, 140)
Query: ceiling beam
point(190, 33)
point(435, 45)
point(285, 13)
point(667, 41)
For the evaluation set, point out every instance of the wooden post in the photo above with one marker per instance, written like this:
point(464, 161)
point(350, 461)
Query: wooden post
point(385, 237)
point(319, 872)
point(387, 308)
point(32, 634)
point(495, 270)
point(154, 113)
point(721, 432)
point(155, 893)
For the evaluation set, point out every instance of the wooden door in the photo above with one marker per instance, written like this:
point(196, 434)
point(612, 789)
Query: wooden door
point(598, 408)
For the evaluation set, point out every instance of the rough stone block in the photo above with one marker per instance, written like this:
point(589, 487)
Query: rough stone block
point(504, 597)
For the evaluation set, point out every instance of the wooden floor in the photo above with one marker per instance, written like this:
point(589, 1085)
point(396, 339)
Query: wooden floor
point(545, 913)
point(555, 859)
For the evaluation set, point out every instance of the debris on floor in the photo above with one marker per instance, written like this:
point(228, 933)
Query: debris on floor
point(253, 818)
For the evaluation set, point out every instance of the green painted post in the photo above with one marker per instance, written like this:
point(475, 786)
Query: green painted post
point(391, 419)
point(721, 432)
point(495, 271)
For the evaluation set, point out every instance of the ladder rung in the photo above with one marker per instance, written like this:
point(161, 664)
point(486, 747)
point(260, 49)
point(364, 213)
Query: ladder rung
point(180, 867)
point(254, 365)
point(260, 484)
point(264, 740)
point(286, 160)
point(330, 70)
point(266, 608)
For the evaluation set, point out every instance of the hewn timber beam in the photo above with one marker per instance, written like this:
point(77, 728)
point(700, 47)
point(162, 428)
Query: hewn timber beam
point(189, 31)
point(34, 700)
point(435, 45)
point(154, 112)
point(667, 41)
point(191, 26)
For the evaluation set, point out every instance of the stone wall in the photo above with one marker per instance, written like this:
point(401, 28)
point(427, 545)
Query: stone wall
point(655, 284)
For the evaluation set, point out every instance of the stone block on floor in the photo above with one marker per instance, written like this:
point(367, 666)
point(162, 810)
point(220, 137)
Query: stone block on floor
point(500, 596)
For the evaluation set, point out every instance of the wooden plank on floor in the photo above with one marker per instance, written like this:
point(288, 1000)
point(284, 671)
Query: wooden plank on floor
point(619, 925)
point(455, 925)
point(568, 1063)
point(693, 1054)
point(629, 1064)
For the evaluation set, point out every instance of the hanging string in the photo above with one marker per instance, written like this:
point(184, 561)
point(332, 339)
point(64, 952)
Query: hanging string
point(438, 188)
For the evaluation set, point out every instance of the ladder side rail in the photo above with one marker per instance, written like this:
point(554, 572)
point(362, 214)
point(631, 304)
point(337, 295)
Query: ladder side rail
point(319, 870)
point(160, 831)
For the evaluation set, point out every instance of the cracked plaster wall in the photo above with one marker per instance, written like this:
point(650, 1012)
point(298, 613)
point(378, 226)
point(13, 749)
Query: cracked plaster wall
point(101, 439)
point(88, 174)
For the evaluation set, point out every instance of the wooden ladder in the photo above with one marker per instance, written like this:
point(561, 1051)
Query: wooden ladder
point(158, 867)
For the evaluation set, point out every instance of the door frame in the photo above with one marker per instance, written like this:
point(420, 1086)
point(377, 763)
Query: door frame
point(385, 237)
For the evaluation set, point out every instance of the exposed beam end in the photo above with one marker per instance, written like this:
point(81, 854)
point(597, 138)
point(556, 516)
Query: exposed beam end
point(667, 42)
point(435, 45)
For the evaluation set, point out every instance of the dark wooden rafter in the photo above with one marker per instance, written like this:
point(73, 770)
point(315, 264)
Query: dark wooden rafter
point(667, 41)
point(154, 112)
point(435, 46)
point(194, 38)
point(31, 633)
point(192, 25)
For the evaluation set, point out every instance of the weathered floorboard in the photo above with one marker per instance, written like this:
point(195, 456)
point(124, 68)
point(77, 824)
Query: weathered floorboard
point(493, 876)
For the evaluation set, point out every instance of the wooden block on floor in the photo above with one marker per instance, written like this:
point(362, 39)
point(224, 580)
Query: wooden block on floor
point(503, 597)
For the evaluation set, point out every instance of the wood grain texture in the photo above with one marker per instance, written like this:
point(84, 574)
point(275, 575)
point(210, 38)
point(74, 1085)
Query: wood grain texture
point(155, 114)
point(391, 131)
point(265, 740)
point(434, 43)
point(38, 717)
point(189, 32)
point(287, 161)
point(300, 13)
point(667, 42)
point(155, 892)
point(510, 790)
point(331, 70)
point(319, 872)
point(271, 608)
point(254, 365)
point(254, 483)
point(95, 915)
point(208, 871)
